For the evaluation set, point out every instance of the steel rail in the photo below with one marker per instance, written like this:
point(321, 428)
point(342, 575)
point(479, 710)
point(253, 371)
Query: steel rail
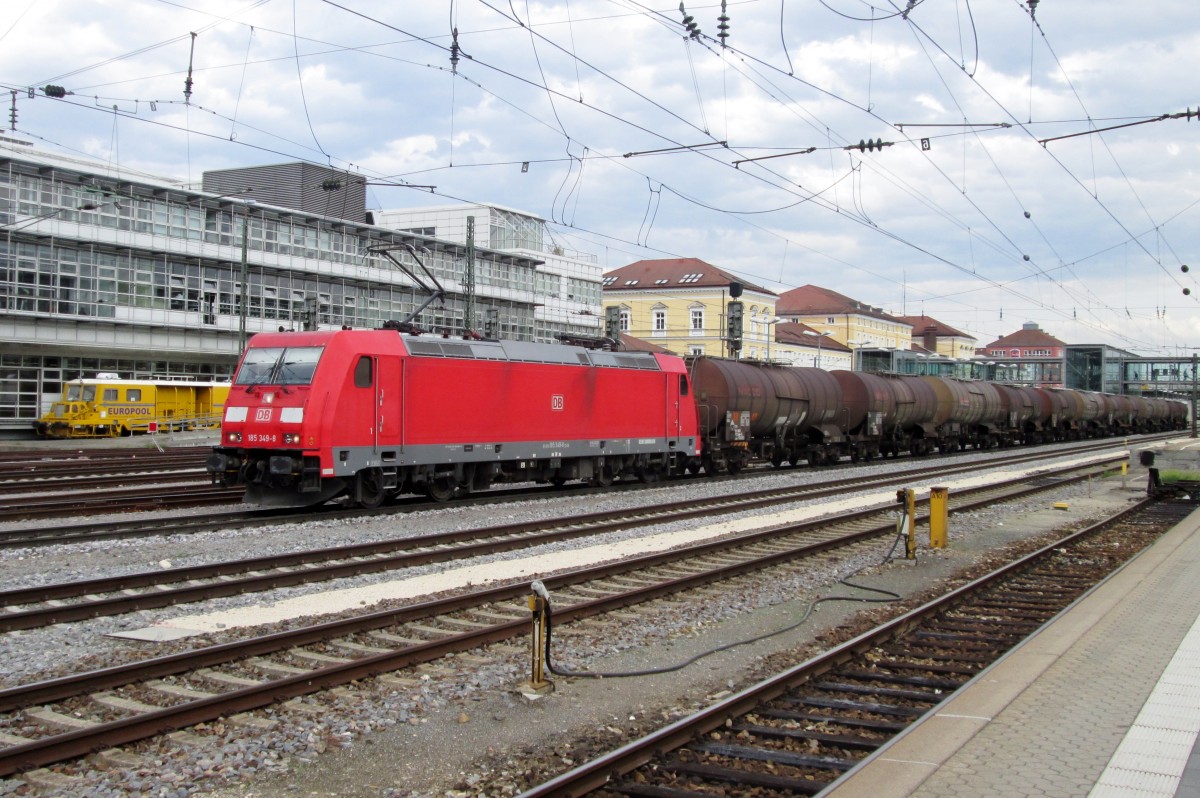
point(100, 530)
point(58, 747)
point(276, 571)
point(597, 773)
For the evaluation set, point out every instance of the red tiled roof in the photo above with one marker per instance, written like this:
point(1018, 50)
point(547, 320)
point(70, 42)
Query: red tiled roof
point(673, 273)
point(810, 300)
point(1025, 338)
point(942, 330)
point(631, 344)
point(792, 332)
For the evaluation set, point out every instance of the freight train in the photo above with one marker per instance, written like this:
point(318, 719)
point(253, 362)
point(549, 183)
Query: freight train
point(107, 406)
point(372, 414)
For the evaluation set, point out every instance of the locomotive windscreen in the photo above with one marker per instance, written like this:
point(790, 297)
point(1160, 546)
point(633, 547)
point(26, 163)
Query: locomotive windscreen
point(277, 365)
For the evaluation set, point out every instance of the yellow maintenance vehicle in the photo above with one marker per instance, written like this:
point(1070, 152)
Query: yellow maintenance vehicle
point(110, 407)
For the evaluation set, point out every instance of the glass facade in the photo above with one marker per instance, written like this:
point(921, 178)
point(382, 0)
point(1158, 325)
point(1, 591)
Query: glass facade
point(25, 380)
point(149, 261)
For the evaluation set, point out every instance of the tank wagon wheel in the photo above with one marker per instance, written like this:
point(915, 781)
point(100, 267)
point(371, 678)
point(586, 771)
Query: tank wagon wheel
point(369, 489)
point(694, 466)
point(776, 459)
point(735, 467)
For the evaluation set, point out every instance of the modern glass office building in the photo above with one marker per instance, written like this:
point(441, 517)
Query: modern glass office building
point(104, 269)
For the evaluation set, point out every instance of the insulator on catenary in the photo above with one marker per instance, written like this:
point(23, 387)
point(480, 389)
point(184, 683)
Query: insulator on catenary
point(689, 23)
point(869, 145)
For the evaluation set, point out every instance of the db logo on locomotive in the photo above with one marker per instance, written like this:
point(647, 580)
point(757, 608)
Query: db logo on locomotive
point(262, 414)
point(557, 402)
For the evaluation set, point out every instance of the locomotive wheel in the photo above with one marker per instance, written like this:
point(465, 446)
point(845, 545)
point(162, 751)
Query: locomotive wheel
point(649, 474)
point(369, 490)
point(603, 477)
point(440, 488)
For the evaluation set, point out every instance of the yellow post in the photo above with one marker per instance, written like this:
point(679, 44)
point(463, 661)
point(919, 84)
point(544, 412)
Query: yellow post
point(938, 514)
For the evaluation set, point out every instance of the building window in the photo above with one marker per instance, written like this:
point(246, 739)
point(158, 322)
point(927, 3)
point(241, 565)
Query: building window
point(624, 319)
point(659, 327)
point(696, 349)
point(697, 325)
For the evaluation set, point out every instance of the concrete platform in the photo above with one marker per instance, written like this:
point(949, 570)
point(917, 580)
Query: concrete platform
point(1103, 702)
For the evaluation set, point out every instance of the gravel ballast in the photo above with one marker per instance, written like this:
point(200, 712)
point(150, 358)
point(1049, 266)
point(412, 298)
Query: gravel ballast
point(460, 727)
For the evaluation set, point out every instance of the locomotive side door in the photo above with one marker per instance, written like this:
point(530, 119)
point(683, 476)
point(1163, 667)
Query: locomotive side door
point(677, 391)
point(387, 402)
point(672, 406)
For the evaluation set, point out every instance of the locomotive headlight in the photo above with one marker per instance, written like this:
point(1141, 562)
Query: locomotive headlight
point(268, 397)
point(235, 437)
point(291, 437)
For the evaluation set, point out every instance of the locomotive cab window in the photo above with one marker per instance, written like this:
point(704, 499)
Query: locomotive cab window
point(683, 385)
point(110, 395)
point(273, 365)
point(362, 372)
point(133, 395)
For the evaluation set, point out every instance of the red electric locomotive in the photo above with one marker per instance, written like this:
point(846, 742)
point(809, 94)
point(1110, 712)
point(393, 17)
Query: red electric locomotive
point(375, 413)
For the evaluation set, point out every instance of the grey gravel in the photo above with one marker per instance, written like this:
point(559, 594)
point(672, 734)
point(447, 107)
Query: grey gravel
point(445, 695)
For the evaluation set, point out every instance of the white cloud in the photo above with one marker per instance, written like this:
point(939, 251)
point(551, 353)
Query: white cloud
point(1111, 215)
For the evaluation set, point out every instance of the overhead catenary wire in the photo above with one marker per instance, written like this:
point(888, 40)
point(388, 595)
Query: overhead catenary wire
point(868, 167)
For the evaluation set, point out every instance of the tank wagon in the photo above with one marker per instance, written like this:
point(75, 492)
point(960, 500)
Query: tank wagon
point(372, 414)
point(783, 414)
point(108, 407)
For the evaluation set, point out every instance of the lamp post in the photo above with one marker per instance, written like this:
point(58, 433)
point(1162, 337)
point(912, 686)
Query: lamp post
point(820, 337)
point(855, 346)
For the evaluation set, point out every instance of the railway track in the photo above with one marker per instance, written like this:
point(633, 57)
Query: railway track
point(165, 487)
point(54, 485)
point(32, 467)
point(70, 716)
point(799, 731)
point(28, 608)
point(90, 530)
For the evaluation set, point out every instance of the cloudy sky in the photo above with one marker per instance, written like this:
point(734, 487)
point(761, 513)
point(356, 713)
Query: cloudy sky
point(1023, 167)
